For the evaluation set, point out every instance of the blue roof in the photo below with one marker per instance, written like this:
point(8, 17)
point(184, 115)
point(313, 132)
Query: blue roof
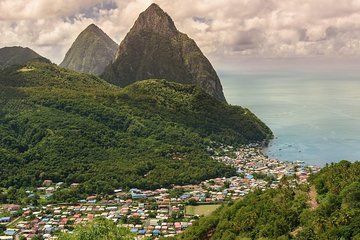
point(135, 195)
point(3, 219)
point(134, 230)
point(249, 176)
point(142, 231)
point(185, 196)
point(10, 232)
point(134, 190)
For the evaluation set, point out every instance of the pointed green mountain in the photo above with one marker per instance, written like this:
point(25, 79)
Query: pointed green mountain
point(16, 55)
point(91, 52)
point(66, 126)
point(154, 48)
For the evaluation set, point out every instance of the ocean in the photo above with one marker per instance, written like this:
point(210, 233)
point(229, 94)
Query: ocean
point(315, 115)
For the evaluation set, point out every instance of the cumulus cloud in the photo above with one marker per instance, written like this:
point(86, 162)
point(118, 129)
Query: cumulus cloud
point(222, 28)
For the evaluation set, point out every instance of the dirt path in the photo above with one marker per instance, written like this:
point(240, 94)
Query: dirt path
point(312, 198)
point(13, 221)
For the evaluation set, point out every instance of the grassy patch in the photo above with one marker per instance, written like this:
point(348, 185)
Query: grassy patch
point(201, 210)
point(26, 69)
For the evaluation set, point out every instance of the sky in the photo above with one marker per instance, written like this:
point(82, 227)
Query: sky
point(224, 29)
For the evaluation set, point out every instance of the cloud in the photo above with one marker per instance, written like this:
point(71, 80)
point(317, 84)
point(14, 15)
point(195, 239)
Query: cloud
point(222, 28)
point(35, 9)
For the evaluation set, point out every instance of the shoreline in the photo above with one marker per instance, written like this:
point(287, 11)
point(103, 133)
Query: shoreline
point(251, 159)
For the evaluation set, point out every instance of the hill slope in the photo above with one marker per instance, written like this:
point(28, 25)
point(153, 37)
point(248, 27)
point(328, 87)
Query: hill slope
point(61, 125)
point(91, 52)
point(285, 213)
point(16, 55)
point(154, 48)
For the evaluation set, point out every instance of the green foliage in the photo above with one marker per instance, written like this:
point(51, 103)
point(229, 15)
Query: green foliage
point(270, 215)
point(2, 228)
point(266, 177)
point(176, 193)
point(284, 213)
point(334, 179)
point(338, 215)
point(71, 127)
point(101, 229)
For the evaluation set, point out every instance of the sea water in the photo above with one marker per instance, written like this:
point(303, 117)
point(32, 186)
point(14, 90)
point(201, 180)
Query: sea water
point(315, 116)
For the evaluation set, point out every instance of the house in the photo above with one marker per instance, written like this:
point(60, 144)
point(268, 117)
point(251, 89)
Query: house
point(134, 190)
point(74, 185)
point(154, 222)
point(91, 198)
point(27, 213)
point(134, 230)
point(11, 207)
point(47, 182)
point(6, 238)
point(5, 219)
point(156, 232)
point(49, 191)
point(10, 232)
point(138, 195)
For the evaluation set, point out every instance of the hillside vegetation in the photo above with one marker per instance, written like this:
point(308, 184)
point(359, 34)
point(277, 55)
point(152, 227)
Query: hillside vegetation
point(10, 56)
point(100, 229)
point(284, 213)
point(72, 127)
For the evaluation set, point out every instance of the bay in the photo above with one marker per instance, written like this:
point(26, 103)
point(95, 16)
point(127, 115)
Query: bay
point(315, 116)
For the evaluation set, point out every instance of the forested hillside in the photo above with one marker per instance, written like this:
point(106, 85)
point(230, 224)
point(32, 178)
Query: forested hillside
point(66, 126)
point(286, 213)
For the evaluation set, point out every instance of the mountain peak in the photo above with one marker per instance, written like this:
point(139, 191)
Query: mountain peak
point(156, 20)
point(16, 55)
point(91, 52)
point(155, 49)
point(93, 31)
point(92, 27)
point(154, 6)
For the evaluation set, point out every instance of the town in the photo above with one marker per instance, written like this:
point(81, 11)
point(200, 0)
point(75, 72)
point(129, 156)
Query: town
point(152, 213)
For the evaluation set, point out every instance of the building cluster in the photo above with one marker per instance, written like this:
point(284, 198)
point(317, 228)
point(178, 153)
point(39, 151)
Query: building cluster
point(149, 219)
point(153, 213)
point(252, 163)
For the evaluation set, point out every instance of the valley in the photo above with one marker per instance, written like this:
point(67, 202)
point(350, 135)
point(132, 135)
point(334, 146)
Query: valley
point(136, 140)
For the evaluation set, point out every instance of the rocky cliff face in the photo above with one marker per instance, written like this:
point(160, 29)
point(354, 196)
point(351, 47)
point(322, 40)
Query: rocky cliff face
point(155, 49)
point(16, 55)
point(91, 52)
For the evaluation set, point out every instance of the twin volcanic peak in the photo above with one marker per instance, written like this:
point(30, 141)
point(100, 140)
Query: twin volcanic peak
point(155, 49)
point(91, 52)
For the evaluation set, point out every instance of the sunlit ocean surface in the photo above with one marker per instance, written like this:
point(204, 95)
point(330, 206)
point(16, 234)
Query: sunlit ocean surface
point(315, 116)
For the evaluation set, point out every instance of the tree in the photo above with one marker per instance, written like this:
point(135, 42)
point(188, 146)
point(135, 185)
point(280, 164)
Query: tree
point(101, 229)
point(2, 228)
